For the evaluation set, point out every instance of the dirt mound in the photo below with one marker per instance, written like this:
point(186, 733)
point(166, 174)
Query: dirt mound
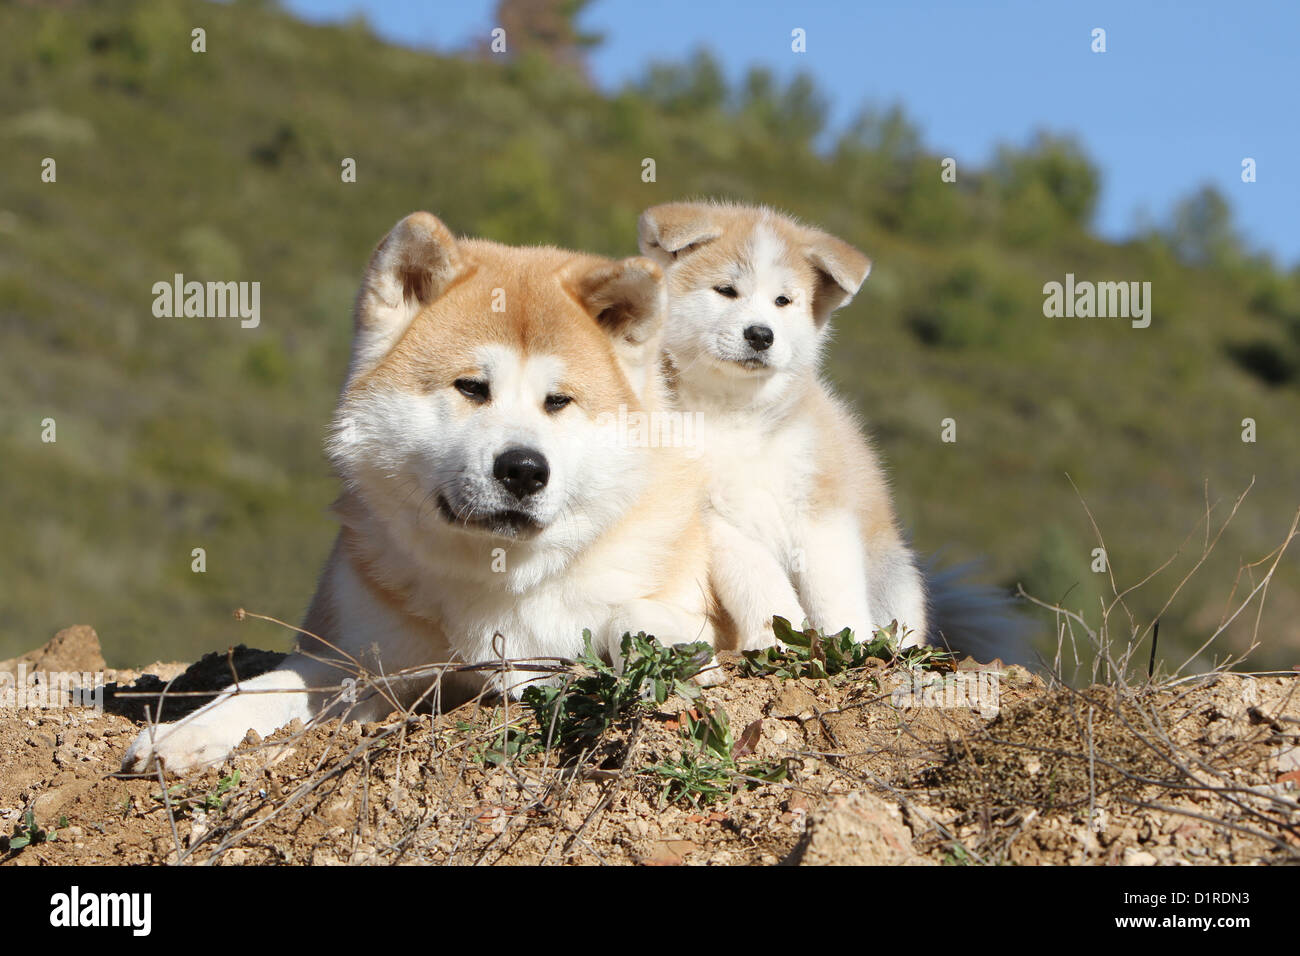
point(860, 767)
point(1043, 753)
point(71, 649)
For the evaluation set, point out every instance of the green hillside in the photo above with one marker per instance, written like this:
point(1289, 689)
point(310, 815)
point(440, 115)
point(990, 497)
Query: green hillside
point(183, 433)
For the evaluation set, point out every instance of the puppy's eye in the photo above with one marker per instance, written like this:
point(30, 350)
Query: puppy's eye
point(555, 402)
point(728, 290)
point(782, 301)
point(473, 389)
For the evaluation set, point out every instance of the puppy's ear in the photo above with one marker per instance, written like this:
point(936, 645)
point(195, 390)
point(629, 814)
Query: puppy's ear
point(628, 298)
point(667, 231)
point(414, 264)
point(840, 269)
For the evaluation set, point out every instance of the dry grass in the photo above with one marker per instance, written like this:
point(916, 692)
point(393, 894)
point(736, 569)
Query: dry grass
point(1121, 759)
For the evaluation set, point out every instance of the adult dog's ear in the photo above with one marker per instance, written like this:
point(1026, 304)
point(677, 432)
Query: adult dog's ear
point(414, 264)
point(840, 269)
point(628, 298)
point(668, 231)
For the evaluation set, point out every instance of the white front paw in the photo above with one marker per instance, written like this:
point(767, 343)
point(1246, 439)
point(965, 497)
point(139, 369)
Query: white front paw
point(711, 675)
point(761, 635)
point(756, 639)
point(181, 746)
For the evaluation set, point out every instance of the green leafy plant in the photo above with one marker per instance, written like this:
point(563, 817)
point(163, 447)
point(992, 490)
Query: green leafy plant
point(810, 653)
point(958, 855)
point(707, 768)
point(509, 742)
point(27, 833)
point(214, 799)
point(591, 703)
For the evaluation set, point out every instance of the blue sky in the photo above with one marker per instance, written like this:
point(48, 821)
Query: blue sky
point(1185, 91)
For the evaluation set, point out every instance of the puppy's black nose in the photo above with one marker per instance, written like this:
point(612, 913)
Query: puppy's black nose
point(759, 337)
point(523, 471)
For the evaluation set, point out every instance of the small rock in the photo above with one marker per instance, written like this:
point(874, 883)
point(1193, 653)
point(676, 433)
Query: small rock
point(51, 804)
point(794, 702)
point(671, 852)
point(1136, 857)
point(1287, 760)
point(856, 830)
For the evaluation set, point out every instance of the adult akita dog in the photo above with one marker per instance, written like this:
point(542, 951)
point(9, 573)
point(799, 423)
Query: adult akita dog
point(489, 510)
point(800, 516)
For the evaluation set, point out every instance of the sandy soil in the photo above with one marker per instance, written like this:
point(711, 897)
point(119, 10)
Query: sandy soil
point(1202, 772)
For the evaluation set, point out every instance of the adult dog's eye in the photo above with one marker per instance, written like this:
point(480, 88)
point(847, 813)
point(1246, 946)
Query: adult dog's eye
point(782, 301)
point(555, 402)
point(728, 290)
point(473, 389)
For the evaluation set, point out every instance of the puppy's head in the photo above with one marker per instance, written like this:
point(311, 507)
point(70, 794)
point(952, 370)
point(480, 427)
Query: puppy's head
point(750, 290)
point(478, 374)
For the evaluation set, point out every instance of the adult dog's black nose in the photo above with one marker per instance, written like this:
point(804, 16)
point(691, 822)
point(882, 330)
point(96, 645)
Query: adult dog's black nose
point(760, 337)
point(523, 471)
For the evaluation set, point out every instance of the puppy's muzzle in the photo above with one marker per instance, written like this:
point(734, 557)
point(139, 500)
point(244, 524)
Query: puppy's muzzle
point(759, 337)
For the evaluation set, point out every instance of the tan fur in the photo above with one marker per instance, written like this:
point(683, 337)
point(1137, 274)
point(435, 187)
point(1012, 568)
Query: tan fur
point(826, 266)
point(611, 539)
point(849, 472)
point(542, 314)
point(792, 424)
point(562, 302)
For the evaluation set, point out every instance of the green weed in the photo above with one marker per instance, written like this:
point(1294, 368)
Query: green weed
point(707, 768)
point(810, 653)
point(26, 833)
point(584, 708)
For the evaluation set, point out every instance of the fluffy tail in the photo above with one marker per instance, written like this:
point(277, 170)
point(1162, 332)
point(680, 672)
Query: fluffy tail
point(974, 619)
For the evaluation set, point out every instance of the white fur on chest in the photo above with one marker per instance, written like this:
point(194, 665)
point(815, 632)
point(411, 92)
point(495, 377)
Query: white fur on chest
point(535, 597)
point(544, 621)
point(760, 474)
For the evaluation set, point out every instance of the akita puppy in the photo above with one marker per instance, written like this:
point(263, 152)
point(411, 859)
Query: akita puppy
point(489, 510)
point(799, 515)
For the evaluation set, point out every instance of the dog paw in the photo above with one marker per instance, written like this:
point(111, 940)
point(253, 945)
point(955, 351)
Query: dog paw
point(180, 747)
point(711, 675)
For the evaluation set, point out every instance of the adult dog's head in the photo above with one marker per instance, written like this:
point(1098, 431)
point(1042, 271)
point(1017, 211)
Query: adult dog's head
point(750, 293)
point(478, 374)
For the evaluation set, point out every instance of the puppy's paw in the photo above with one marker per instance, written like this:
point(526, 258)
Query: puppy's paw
point(711, 675)
point(756, 639)
point(761, 636)
point(181, 747)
